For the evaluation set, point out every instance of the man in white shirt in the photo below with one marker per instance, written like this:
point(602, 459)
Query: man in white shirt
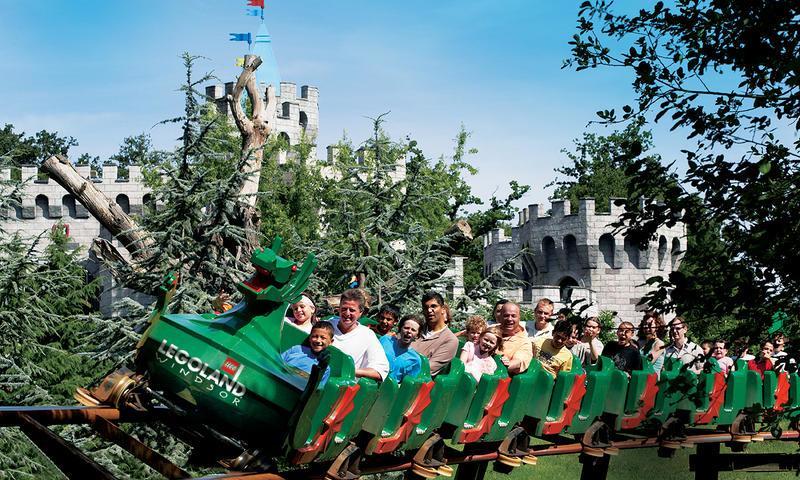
point(541, 326)
point(356, 340)
point(688, 352)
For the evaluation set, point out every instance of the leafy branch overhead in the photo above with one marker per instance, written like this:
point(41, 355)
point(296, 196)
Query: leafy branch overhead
point(723, 73)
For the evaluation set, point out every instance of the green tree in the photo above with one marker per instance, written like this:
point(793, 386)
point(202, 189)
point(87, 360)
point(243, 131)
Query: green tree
point(721, 71)
point(597, 165)
point(32, 149)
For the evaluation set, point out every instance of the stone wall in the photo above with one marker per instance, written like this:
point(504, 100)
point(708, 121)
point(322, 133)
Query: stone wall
point(582, 250)
point(294, 115)
point(45, 203)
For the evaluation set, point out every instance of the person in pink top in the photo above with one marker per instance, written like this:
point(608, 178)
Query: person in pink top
point(479, 359)
point(719, 352)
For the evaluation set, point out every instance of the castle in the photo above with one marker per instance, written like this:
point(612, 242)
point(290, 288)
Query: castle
point(568, 256)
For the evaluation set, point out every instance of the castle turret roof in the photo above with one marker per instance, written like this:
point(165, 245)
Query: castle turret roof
point(268, 72)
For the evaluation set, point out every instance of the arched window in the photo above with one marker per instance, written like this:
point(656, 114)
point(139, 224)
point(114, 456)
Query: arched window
point(676, 252)
point(42, 206)
point(607, 247)
point(68, 205)
point(549, 252)
point(303, 120)
point(286, 109)
point(571, 252)
point(662, 252)
point(124, 203)
point(565, 288)
point(148, 203)
point(632, 250)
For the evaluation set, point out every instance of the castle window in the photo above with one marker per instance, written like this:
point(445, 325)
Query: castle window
point(571, 252)
point(565, 287)
point(284, 146)
point(549, 252)
point(124, 203)
point(662, 252)
point(42, 206)
point(286, 109)
point(633, 252)
point(676, 252)
point(303, 120)
point(607, 247)
point(148, 203)
point(68, 205)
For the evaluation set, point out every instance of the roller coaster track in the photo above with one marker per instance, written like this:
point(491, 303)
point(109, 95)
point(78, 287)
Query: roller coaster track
point(34, 422)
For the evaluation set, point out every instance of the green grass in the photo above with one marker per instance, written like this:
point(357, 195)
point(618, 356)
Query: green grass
point(644, 463)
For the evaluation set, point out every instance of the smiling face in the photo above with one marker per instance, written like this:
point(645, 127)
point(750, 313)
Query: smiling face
point(510, 320)
point(487, 343)
point(542, 312)
point(302, 312)
point(349, 313)
point(319, 339)
point(386, 322)
point(719, 351)
point(408, 332)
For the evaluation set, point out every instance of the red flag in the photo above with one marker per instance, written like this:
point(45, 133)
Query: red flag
point(256, 3)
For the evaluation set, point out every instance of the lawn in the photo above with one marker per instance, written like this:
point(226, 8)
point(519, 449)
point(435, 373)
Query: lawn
point(640, 463)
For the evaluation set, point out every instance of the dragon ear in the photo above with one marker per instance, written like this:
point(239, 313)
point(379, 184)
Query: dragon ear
point(276, 244)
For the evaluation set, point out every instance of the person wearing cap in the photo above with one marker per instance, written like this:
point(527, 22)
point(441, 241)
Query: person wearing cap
point(589, 348)
point(303, 314)
point(437, 342)
point(356, 340)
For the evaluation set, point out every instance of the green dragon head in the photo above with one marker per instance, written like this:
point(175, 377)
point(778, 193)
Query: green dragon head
point(277, 279)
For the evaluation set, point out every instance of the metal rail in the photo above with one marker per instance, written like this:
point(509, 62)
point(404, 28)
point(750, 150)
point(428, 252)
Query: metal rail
point(76, 464)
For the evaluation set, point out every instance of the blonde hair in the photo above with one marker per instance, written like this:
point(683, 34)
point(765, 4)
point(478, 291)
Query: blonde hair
point(475, 323)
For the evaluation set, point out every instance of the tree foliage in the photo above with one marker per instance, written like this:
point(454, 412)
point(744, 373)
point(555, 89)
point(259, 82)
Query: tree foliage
point(723, 72)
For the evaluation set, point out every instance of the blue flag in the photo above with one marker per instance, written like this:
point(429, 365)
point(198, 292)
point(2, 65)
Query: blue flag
point(253, 12)
point(240, 37)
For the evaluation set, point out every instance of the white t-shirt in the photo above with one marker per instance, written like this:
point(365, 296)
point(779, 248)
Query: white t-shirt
point(363, 346)
point(546, 332)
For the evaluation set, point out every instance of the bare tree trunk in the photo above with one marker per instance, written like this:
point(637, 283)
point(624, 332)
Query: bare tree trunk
point(107, 212)
point(254, 131)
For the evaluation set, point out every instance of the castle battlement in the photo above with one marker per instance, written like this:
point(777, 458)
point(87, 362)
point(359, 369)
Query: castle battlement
point(295, 116)
point(583, 249)
point(46, 200)
point(562, 208)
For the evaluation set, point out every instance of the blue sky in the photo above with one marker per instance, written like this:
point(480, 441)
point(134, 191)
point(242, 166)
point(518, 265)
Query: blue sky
point(100, 71)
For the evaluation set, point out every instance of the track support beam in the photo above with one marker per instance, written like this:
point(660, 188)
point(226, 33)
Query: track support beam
point(72, 462)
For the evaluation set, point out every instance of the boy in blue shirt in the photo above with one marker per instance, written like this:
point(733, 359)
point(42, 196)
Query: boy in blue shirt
point(403, 360)
point(307, 354)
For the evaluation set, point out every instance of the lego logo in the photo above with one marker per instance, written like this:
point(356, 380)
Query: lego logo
point(230, 366)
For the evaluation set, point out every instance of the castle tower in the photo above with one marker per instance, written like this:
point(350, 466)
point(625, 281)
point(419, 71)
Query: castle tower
point(580, 254)
point(295, 115)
